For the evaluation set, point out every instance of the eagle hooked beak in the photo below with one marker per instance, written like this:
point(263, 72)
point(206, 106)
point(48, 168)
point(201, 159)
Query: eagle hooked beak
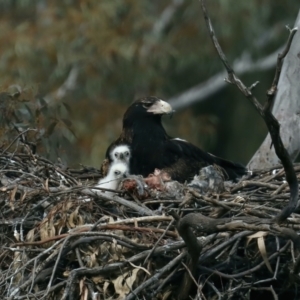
point(160, 107)
point(121, 156)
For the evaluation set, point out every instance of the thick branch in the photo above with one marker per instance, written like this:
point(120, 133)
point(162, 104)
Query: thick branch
point(194, 250)
point(274, 129)
point(208, 225)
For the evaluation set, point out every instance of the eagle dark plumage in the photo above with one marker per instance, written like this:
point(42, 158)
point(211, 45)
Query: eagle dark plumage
point(151, 147)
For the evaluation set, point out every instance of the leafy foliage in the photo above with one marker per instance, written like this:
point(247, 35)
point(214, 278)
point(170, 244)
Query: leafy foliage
point(47, 129)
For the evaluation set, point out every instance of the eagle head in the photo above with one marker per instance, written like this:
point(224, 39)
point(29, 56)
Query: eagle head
point(147, 107)
point(156, 106)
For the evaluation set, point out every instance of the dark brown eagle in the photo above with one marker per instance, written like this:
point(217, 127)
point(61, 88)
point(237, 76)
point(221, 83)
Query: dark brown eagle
point(152, 148)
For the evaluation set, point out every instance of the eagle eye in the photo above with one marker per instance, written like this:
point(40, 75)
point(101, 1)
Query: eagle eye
point(116, 154)
point(126, 153)
point(147, 104)
point(117, 173)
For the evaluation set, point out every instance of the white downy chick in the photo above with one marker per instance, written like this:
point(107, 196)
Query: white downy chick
point(121, 153)
point(117, 171)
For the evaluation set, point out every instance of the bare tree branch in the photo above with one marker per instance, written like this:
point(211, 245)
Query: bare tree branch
point(215, 83)
point(166, 17)
point(68, 85)
point(265, 112)
point(160, 25)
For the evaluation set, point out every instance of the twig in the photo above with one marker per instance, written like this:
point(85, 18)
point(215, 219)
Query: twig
point(155, 277)
point(270, 289)
point(274, 277)
point(141, 210)
point(14, 140)
point(157, 242)
point(215, 289)
point(249, 271)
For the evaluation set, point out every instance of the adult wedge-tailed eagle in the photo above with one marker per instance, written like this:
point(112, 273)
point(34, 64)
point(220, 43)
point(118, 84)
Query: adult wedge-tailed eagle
point(152, 148)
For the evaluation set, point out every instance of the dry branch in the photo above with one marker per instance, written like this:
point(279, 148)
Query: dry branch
point(265, 112)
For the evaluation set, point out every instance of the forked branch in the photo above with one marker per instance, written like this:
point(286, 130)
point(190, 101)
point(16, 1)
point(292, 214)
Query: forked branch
point(265, 112)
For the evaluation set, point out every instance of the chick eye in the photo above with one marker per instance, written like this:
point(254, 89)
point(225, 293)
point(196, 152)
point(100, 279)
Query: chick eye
point(126, 153)
point(116, 154)
point(117, 172)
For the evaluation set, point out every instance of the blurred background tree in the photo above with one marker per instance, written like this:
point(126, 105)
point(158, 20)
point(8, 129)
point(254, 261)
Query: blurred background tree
point(80, 63)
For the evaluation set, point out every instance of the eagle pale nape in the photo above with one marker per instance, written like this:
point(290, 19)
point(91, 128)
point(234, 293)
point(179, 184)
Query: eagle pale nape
point(152, 148)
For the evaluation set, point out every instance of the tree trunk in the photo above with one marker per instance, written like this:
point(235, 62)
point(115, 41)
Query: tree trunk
point(286, 109)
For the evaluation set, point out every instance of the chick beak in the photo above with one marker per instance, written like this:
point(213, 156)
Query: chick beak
point(121, 156)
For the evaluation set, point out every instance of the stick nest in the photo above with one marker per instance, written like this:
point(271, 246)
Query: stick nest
point(62, 241)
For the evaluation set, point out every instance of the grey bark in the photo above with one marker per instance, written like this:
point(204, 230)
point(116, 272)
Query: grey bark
point(286, 109)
